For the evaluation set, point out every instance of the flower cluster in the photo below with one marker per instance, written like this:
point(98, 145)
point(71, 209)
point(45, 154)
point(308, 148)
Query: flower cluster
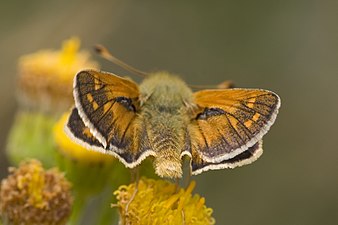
point(30, 195)
point(161, 202)
point(44, 92)
point(46, 77)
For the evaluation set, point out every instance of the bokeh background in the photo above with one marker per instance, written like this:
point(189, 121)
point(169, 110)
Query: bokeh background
point(289, 46)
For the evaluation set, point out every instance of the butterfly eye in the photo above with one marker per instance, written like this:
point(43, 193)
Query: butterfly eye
point(209, 112)
point(126, 102)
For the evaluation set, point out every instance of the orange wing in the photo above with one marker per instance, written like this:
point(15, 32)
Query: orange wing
point(108, 106)
point(228, 122)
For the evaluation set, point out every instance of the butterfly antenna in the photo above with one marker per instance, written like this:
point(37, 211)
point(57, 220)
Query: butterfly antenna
point(104, 53)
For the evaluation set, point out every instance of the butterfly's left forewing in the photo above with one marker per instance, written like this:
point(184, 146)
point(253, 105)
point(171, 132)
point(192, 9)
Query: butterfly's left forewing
point(108, 106)
point(229, 122)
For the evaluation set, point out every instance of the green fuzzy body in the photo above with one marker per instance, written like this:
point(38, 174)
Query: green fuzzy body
point(165, 113)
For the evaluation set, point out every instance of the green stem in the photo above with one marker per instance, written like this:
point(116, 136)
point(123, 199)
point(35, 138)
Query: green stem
point(79, 206)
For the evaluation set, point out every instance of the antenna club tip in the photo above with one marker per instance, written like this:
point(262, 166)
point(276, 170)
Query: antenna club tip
point(102, 51)
point(99, 48)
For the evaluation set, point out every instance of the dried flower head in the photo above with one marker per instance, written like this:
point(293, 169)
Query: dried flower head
point(159, 202)
point(30, 195)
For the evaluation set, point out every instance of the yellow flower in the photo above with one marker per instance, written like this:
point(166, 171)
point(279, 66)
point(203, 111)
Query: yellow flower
point(159, 202)
point(46, 77)
point(30, 195)
point(73, 150)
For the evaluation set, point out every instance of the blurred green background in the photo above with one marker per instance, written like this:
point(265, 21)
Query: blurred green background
point(290, 47)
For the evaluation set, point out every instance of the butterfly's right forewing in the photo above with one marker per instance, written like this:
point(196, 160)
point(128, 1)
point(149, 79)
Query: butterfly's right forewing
point(230, 121)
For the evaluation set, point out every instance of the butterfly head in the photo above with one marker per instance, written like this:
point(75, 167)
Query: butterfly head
point(158, 86)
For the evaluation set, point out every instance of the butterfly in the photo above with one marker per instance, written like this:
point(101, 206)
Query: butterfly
point(164, 119)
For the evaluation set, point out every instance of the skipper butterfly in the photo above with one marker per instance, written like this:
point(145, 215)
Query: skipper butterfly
point(163, 118)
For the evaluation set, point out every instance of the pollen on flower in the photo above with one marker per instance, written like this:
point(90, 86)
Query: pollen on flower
point(73, 150)
point(159, 202)
point(33, 181)
point(31, 195)
point(69, 51)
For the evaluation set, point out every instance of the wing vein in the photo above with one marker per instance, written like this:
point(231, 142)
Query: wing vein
point(104, 114)
point(240, 123)
point(226, 142)
point(235, 131)
point(203, 135)
point(126, 129)
point(100, 106)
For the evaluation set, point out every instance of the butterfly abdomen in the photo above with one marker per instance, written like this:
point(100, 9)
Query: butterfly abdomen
point(166, 137)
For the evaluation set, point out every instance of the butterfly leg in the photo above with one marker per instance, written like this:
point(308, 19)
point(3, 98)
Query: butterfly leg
point(134, 174)
point(135, 178)
point(177, 181)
